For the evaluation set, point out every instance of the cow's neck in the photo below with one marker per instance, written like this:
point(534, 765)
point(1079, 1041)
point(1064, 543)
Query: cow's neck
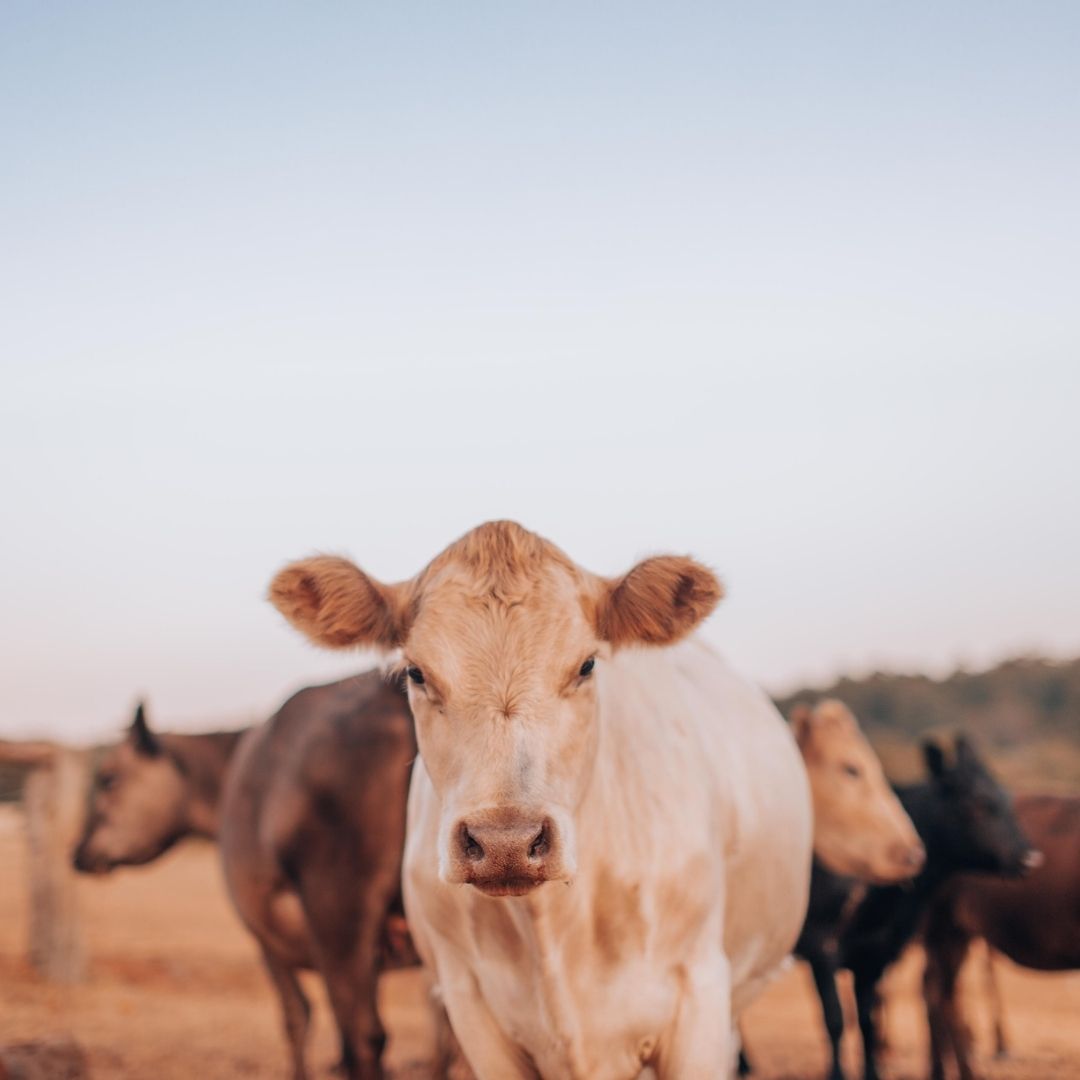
point(547, 912)
point(203, 760)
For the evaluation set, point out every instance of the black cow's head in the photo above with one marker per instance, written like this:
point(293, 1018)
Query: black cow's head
point(979, 830)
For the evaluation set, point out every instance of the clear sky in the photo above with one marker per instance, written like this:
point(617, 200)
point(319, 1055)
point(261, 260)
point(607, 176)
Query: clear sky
point(795, 288)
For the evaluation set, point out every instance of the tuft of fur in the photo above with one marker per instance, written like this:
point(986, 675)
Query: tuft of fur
point(336, 605)
point(658, 602)
point(502, 559)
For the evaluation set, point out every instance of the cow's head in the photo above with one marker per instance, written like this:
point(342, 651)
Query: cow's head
point(503, 640)
point(976, 825)
point(137, 805)
point(860, 828)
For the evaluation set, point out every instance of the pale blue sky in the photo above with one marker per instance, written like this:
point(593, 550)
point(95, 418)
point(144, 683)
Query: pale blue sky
point(791, 287)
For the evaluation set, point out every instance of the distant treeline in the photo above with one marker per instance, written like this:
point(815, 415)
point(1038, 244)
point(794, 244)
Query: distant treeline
point(1025, 713)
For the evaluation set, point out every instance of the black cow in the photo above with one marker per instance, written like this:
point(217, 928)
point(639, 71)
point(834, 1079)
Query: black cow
point(966, 822)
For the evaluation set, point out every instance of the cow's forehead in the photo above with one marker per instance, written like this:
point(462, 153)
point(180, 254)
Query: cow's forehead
point(477, 635)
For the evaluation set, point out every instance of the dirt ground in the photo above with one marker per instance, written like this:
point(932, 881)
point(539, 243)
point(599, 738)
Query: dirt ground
point(175, 991)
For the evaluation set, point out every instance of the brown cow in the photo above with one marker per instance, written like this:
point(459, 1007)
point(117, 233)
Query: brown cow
point(313, 846)
point(150, 791)
point(1035, 921)
point(313, 827)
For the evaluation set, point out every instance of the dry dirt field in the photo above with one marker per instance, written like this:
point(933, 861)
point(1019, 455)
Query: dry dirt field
point(175, 992)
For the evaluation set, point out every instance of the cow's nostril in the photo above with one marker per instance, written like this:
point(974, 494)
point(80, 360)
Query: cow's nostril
point(472, 847)
point(541, 842)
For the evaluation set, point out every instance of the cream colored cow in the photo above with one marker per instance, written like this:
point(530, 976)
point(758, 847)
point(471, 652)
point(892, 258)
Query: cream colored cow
point(609, 831)
point(860, 828)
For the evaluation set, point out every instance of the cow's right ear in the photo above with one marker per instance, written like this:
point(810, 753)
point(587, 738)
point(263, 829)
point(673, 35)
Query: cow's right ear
point(335, 604)
point(142, 738)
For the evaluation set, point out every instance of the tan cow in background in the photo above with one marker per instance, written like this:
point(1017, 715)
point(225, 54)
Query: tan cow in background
point(860, 828)
point(609, 832)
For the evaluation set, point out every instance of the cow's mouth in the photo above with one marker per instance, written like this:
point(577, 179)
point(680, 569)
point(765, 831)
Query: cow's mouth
point(507, 886)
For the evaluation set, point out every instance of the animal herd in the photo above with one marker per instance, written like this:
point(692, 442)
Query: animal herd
point(601, 843)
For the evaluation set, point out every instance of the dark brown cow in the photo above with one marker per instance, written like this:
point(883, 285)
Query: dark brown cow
point(1035, 921)
point(310, 811)
point(313, 827)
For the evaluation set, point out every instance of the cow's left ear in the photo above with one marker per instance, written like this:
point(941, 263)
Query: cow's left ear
point(658, 602)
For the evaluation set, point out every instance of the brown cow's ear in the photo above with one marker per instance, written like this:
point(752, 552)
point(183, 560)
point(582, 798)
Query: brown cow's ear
point(802, 719)
point(658, 602)
point(142, 738)
point(335, 604)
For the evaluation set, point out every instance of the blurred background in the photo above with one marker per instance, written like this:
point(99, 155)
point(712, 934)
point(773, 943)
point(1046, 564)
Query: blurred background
point(792, 289)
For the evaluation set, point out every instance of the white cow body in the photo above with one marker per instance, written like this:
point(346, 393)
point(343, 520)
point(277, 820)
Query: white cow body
point(693, 856)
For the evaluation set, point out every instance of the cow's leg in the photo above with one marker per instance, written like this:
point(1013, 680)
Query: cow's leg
point(993, 992)
point(295, 1008)
point(346, 925)
point(700, 1041)
point(946, 949)
point(866, 984)
point(490, 1054)
point(824, 972)
point(951, 960)
point(932, 996)
point(450, 1063)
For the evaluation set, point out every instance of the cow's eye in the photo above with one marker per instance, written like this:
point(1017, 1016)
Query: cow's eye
point(853, 770)
point(106, 781)
point(416, 675)
point(587, 667)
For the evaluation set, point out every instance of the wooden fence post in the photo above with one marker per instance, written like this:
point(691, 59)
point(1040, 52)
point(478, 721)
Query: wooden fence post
point(54, 800)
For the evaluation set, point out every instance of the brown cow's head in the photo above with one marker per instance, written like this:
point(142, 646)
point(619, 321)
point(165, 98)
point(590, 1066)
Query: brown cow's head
point(503, 639)
point(137, 806)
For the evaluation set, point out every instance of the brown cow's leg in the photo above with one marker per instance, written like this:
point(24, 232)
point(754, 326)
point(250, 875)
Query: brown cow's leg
point(295, 1008)
point(954, 1018)
point(348, 935)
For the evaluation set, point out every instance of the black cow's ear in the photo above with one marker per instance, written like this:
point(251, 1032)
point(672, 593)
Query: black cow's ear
point(142, 738)
point(965, 752)
point(935, 759)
